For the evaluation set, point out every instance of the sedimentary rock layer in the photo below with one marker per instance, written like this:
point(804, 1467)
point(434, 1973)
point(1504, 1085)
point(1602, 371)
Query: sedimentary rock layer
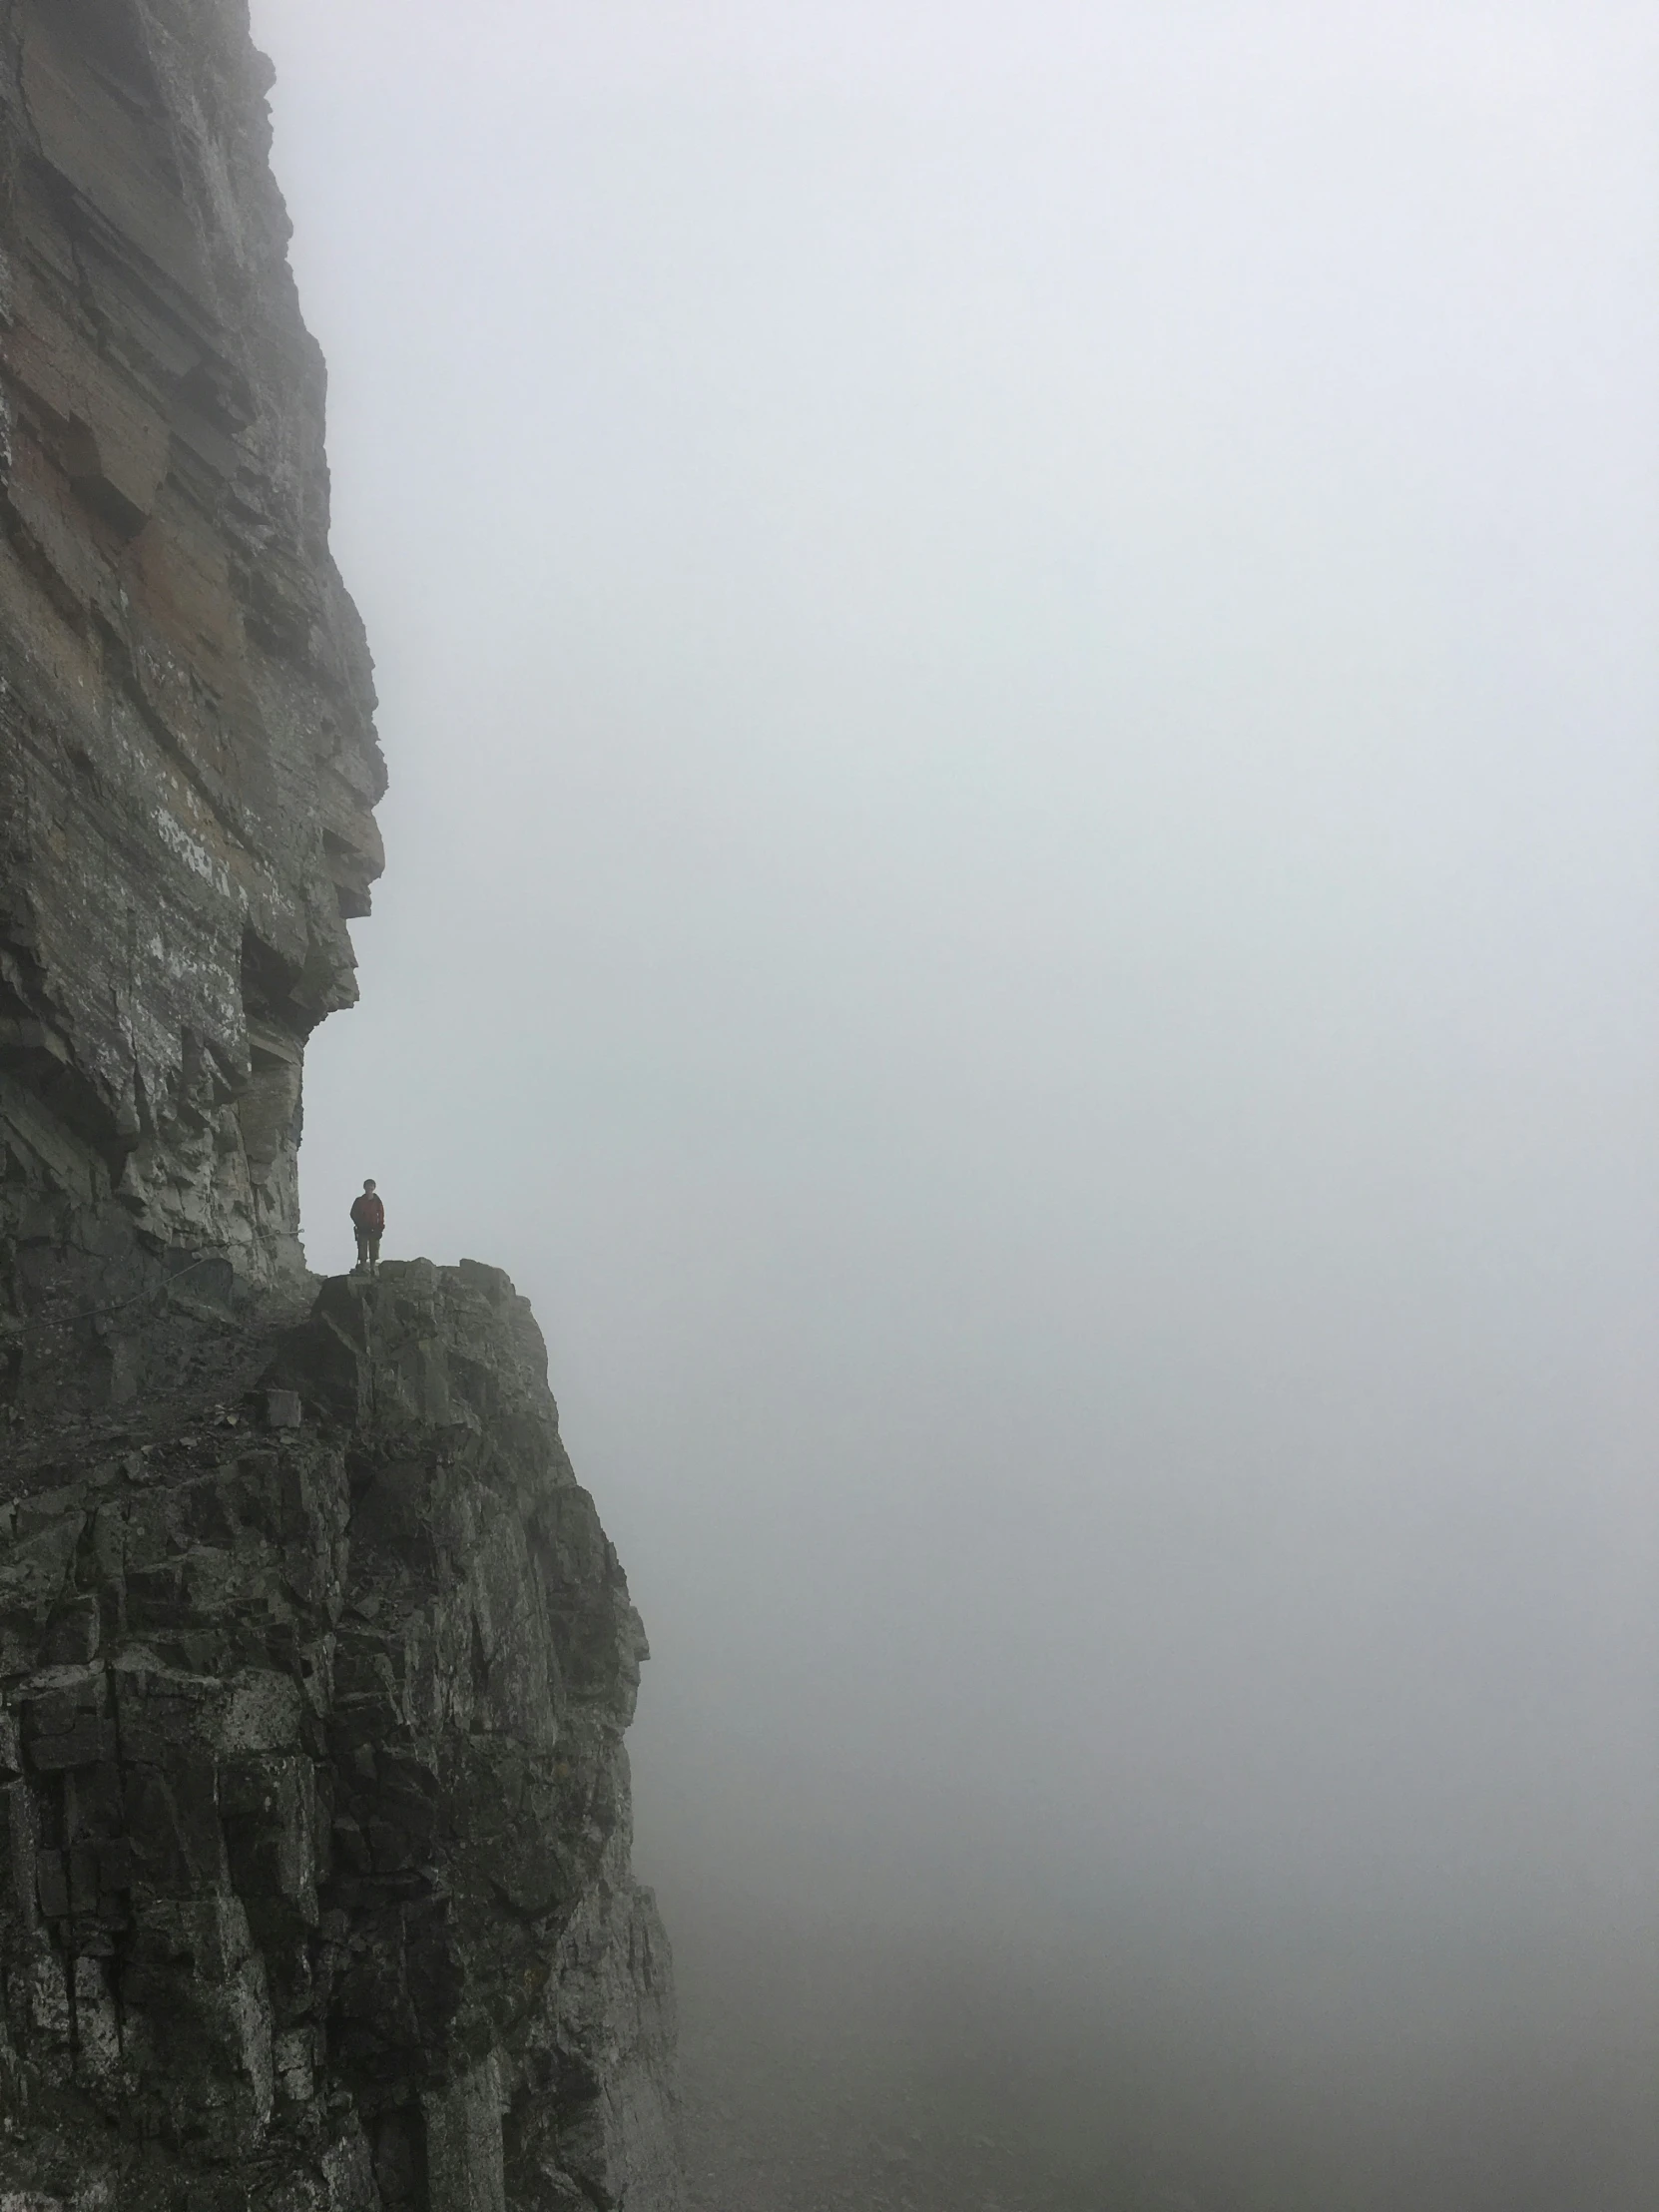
point(315, 1660)
point(187, 758)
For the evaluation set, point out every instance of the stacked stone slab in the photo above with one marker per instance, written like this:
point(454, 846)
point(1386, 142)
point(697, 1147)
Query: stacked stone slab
point(315, 1660)
point(188, 763)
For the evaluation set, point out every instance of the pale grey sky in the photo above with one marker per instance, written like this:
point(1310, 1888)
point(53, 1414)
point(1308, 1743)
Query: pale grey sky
point(1019, 658)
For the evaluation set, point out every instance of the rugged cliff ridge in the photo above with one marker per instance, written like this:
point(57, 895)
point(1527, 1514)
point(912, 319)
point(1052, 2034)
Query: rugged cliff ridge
point(314, 1661)
point(316, 1826)
point(189, 762)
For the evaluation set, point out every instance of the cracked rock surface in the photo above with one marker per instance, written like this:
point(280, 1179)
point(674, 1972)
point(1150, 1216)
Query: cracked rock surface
point(314, 1659)
point(315, 1888)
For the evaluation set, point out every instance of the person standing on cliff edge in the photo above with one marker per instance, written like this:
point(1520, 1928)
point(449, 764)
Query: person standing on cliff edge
point(368, 1219)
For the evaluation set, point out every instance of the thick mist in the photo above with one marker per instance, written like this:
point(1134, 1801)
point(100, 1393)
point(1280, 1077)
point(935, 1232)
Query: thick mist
point(1017, 649)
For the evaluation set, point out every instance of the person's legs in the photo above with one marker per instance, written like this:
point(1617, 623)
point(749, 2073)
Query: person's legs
point(362, 1247)
point(374, 1253)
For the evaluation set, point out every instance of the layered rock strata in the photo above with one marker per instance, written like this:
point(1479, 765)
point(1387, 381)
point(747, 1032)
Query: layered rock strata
point(187, 758)
point(315, 1660)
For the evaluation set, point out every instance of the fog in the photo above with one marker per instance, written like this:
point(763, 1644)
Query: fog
point(1017, 651)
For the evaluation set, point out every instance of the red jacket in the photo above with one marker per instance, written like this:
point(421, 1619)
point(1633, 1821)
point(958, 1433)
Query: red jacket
point(367, 1212)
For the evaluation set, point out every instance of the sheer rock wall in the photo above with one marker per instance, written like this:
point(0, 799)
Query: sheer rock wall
point(314, 1892)
point(188, 763)
point(315, 1660)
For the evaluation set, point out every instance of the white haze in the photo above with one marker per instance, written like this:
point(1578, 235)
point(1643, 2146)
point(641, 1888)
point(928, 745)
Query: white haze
point(1017, 650)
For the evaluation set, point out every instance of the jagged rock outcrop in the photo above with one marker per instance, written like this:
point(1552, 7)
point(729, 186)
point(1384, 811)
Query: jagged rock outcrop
point(315, 1660)
point(316, 1888)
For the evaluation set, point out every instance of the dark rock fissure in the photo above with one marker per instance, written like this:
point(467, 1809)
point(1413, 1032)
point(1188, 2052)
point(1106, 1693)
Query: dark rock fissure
point(314, 1659)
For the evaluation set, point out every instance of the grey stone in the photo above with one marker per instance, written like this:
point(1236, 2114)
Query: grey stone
point(464, 2171)
point(314, 1884)
point(187, 760)
point(281, 1408)
point(338, 1808)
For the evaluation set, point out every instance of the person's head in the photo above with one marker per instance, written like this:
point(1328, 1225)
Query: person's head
point(369, 1183)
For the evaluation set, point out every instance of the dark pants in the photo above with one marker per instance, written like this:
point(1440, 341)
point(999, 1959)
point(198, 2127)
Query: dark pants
point(368, 1248)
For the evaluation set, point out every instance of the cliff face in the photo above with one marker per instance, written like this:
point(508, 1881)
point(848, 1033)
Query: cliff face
point(188, 763)
point(315, 1660)
point(317, 1811)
